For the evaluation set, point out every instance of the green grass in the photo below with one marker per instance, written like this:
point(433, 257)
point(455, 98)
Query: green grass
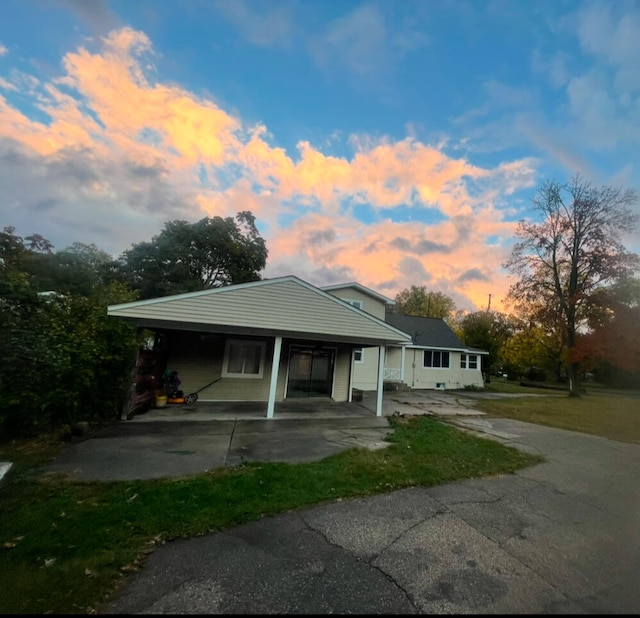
point(601, 412)
point(65, 546)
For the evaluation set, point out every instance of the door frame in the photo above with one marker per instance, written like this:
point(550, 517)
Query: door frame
point(313, 346)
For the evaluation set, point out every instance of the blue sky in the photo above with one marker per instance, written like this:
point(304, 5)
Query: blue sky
point(392, 143)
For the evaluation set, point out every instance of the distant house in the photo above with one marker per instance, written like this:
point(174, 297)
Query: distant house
point(225, 342)
point(435, 359)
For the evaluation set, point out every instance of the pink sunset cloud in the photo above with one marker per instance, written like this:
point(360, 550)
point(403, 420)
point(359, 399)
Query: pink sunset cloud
point(123, 152)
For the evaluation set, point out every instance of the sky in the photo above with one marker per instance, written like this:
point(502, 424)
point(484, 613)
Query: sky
point(392, 143)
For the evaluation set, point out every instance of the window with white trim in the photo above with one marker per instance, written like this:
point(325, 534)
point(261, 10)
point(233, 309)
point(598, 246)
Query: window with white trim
point(355, 303)
point(243, 359)
point(358, 355)
point(468, 361)
point(435, 358)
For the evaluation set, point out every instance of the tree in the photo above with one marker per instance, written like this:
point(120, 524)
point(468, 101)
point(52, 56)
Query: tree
point(64, 359)
point(417, 301)
point(576, 249)
point(611, 348)
point(530, 346)
point(186, 257)
point(487, 330)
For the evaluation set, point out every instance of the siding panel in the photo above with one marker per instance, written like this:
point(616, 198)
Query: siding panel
point(284, 306)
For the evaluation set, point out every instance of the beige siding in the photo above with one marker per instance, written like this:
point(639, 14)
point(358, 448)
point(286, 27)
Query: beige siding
point(369, 304)
point(365, 374)
point(429, 377)
point(283, 306)
point(393, 361)
point(198, 359)
point(341, 377)
point(393, 358)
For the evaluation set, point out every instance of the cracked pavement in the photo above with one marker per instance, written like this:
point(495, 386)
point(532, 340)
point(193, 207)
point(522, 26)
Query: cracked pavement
point(561, 537)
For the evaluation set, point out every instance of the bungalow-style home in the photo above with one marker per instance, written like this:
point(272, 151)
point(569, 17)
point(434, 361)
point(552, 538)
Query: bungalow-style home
point(435, 359)
point(224, 342)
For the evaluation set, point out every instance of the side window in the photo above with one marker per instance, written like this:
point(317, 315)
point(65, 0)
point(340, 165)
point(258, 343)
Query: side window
point(468, 361)
point(435, 358)
point(243, 359)
point(355, 303)
point(358, 355)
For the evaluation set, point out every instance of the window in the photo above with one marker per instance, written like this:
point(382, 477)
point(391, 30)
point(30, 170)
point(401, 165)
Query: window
point(243, 359)
point(436, 358)
point(355, 303)
point(358, 355)
point(468, 361)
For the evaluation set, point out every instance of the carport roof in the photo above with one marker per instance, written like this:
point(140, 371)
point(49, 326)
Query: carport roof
point(286, 306)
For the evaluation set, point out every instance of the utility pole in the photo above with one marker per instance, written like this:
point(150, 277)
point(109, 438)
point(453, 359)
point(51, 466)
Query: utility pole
point(489, 304)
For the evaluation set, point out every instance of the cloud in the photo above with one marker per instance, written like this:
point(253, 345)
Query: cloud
point(365, 41)
point(473, 274)
point(3, 50)
point(603, 98)
point(121, 152)
point(262, 25)
point(358, 40)
point(95, 13)
point(421, 247)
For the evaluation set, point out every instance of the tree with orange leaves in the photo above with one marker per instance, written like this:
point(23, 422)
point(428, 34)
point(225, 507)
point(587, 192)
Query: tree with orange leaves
point(574, 251)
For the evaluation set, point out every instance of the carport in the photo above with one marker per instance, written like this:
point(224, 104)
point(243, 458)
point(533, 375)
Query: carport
point(266, 341)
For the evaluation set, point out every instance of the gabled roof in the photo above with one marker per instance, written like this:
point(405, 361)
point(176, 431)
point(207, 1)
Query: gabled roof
point(361, 288)
point(429, 332)
point(287, 306)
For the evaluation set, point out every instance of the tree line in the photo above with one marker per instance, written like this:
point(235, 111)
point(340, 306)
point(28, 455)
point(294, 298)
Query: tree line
point(576, 295)
point(575, 299)
point(63, 359)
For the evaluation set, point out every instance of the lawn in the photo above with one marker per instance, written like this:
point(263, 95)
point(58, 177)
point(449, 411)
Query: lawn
point(65, 546)
point(601, 412)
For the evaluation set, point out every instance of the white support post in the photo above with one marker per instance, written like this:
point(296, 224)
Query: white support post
point(402, 361)
point(380, 381)
point(353, 360)
point(273, 383)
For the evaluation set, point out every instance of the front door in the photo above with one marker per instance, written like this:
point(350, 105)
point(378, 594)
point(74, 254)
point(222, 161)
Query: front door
point(310, 372)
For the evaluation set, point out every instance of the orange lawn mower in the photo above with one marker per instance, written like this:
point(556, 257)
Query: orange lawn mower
point(174, 395)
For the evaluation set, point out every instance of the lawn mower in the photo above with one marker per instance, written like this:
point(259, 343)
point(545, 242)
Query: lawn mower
point(191, 398)
point(174, 395)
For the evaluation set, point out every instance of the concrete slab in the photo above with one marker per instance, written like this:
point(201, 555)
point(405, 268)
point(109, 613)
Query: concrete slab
point(180, 440)
point(561, 537)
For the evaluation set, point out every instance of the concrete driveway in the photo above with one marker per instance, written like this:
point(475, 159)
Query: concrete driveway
point(560, 537)
point(182, 440)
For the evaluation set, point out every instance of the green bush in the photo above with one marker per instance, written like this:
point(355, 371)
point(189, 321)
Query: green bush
point(64, 361)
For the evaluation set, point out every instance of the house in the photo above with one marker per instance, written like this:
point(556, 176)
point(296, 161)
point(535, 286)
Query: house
point(365, 363)
point(435, 359)
point(224, 342)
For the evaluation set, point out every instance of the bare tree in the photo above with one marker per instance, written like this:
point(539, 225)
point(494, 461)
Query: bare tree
point(573, 252)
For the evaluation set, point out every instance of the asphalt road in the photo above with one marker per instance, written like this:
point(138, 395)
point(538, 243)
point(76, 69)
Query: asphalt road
point(562, 537)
